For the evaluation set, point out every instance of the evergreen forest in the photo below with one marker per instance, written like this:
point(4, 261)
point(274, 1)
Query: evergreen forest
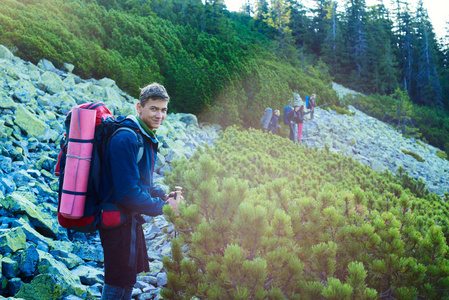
point(227, 67)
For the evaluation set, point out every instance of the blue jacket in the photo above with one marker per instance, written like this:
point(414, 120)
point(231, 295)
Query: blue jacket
point(124, 181)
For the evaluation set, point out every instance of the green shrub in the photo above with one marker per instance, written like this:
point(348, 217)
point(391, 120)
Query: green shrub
point(415, 155)
point(264, 218)
point(441, 154)
point(340, 110)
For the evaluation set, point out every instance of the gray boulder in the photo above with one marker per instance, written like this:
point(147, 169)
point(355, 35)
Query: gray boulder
point(188, 119)
point(10, 268)
point(12, 240)
point(161, 279)
point(5, 53)
point(44, 223)
point(31, 234)
point(25, 91)
point(89, 275)
point(49, 287)
point(88, 252)
point(3, 284)
point(7, 185)
point(31, 124)
point(50, 266)
point(69, 259)
point(52, 82)
point(28, 260)
point(6, 102)
point(14, 285)
point(68, 67)
point(46, 65)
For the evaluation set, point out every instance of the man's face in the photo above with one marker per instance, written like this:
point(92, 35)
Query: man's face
point(153, 113)
point(296, 108)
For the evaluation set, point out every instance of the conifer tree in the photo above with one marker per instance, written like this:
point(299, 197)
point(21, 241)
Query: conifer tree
point(381, 45)
point(445, 67)
point(261, 9)
point(320, 24)
point(356, 36)
point(279, 18)
point(403, 109)
point(406, 42)
point(213, 18)
point(428, 88)
point(299, 24)
point(334, 52)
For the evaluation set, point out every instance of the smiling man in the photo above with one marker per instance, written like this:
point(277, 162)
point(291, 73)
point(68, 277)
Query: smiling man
point(128, 183)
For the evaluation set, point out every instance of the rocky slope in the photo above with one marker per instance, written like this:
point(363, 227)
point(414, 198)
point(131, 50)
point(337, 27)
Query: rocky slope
point(37, 259)
point(376, 144)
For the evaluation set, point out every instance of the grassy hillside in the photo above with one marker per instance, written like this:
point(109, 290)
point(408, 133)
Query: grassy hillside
point(264, 218)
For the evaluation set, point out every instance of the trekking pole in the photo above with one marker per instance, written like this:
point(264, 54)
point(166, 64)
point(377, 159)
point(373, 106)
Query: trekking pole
point(178, 191)
point(178, 195)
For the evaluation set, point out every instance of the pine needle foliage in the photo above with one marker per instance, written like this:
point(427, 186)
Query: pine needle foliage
point(264, 218)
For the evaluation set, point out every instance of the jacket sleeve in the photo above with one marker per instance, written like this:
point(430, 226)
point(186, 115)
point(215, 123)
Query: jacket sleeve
point(157, 192)
point(296, 117)
point(128, 189)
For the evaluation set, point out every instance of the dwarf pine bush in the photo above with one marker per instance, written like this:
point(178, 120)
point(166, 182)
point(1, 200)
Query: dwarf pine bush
point(264, 218)
point(415, 155)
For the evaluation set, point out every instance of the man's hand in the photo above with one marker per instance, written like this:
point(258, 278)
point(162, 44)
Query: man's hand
point(174, 203)
point(170, 195)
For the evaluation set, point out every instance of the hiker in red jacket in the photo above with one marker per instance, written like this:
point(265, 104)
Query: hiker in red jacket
point(129, 184)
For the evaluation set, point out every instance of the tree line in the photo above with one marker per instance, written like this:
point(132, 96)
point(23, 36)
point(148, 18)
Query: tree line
point(370, 49)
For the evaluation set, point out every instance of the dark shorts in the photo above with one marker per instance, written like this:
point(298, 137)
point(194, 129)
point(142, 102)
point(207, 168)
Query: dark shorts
point(116, 248)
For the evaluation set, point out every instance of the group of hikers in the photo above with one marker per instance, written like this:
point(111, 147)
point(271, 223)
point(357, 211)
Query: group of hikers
point(294, 117)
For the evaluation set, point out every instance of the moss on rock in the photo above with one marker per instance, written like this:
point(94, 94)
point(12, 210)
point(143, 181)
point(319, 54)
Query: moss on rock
point(12, 241)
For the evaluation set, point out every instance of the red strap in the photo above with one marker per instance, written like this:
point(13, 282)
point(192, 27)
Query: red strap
point(57, 164)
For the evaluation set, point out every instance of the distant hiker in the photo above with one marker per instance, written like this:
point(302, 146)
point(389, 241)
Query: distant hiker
point(129, 185)
point(266, 118)
point(312, 105)
point(274, 123)
point(300, 118)
point(292, 119)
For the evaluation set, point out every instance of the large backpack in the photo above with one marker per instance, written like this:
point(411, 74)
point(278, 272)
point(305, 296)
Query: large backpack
point(307, 102)
point(266, 118)
point(80, 202)
point(287, 114)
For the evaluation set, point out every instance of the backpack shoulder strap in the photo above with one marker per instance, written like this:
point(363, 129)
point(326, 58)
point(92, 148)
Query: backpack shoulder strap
point(139, 141)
